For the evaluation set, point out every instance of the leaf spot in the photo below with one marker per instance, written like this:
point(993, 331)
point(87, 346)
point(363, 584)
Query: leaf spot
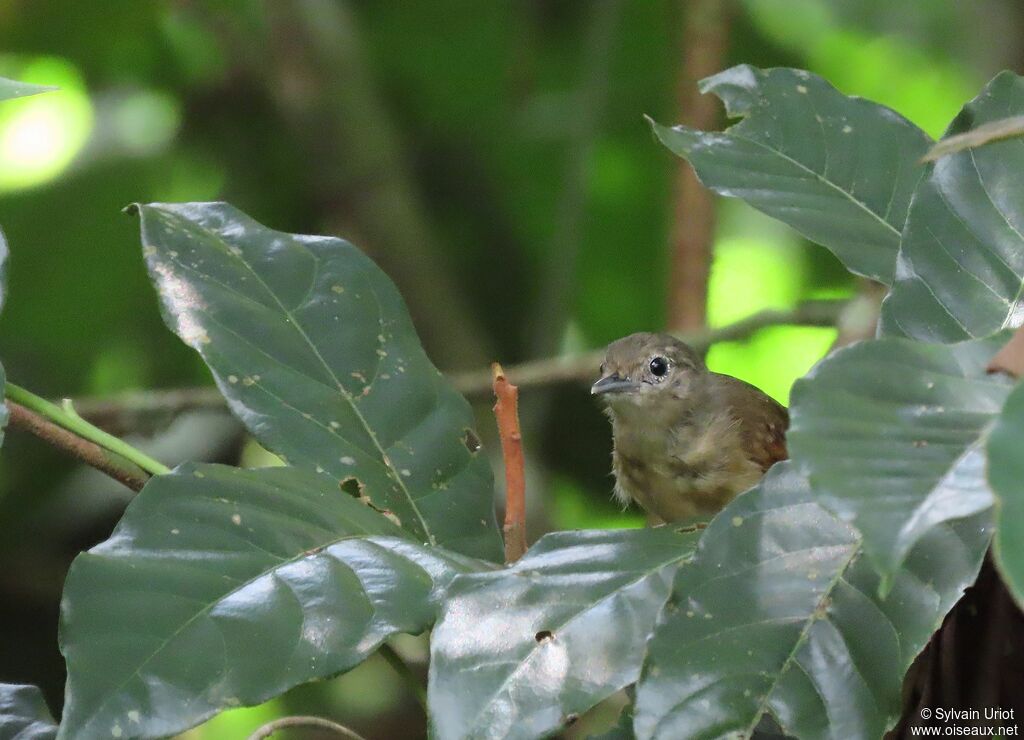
point(198, 473)
point(334, 425)
point(920, 443)
point(802, 89)
point(346, 460)
point(406, 472)
point(232, 379)
point(571, 719)
point(337, 289)
point(544, 636)
point(133, 716)
point(737, 521)
point(471, 441)
point(236, 519)
point(247, 380)
point(847, 129)
point(690, 614)
point(707, 616)
point(175, 531)
point(116, 731)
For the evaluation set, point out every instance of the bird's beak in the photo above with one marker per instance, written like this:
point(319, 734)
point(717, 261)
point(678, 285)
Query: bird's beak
point(614, 383)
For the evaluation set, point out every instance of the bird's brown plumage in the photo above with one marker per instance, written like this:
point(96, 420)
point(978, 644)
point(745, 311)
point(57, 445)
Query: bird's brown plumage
point(686, 440)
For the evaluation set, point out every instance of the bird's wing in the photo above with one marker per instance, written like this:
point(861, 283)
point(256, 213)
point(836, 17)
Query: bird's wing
point(763, 421)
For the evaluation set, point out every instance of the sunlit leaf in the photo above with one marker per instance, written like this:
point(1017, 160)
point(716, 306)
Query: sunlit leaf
point(13, 89)
point(24, 714)
point(960, 272)
point(314, 349)
point(224, 587)
point(520, 652)
point(778, 613)
point(838, 169)
point(1006, 476)
point(892, 433)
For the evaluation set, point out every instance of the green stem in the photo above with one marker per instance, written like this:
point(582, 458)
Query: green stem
point(74, 423)
point(402, 669)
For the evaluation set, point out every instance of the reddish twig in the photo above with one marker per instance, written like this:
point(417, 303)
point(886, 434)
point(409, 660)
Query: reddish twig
point(704, 43)
point(506, 412)
point(86, 451)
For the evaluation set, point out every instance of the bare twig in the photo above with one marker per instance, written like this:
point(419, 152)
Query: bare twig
point(985, 134)
point(477, 383)
point(88, 452)
point(415, 686)
point(506, 411)
point(693, 224)
point(1010, 359)
point(300, 721)
point(580, 368)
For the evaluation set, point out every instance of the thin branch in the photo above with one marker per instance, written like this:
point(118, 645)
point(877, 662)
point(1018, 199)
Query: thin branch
point(1006, 128)
point(581, 368)
point(506, 411)
point(402, 668)
point(82, 449)
point(693, 225)
point(66, 417)
point(301, 721)
point(477, 383)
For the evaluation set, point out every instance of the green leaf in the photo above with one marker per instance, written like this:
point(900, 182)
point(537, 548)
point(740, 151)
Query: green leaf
point(778, 614)
point(838, 169)
point(520, 652)
point(223, 587)
point(24, 714)
point(10, 89)
point(1006, 476)
point(892, 434)
point(4, 413)
point(960, 272)
point(314, 350)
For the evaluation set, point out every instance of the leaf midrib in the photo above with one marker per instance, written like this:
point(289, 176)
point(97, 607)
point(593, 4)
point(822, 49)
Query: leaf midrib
point(293, 321)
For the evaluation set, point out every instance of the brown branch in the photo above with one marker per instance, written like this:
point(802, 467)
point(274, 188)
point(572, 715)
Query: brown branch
point(475, 383)
point(693, 226)
point(581, 368)
point(88, 452)
point(1010, 359)
point(299, 721)
point(506, 412)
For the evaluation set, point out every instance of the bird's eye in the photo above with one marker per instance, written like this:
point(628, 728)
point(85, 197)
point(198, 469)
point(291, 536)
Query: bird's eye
point(659, 367)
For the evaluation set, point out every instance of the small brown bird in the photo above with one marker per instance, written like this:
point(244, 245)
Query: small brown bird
point(687, 440)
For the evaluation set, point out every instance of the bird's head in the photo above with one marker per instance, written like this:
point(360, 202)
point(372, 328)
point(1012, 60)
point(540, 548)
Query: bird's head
point(647, 368)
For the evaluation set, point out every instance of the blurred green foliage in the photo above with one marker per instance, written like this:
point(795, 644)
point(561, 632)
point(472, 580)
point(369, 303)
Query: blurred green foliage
point(471, 116)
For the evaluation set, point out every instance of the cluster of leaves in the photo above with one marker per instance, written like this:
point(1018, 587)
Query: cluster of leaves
point(806, 599)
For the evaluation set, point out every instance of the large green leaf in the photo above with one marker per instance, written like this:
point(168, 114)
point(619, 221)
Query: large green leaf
point(4, 414)
point(778, 614)
point(13, 89)
point(839, 170)
point(314, 350)
point(223, 587)
point(520, 652)
point(24, 714)
point(892, 434)
point(1006, 476)
point(960, 272)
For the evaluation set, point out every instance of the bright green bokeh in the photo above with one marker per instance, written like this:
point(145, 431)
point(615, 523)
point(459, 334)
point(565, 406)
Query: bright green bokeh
point(752, 273)
point(41, 135)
